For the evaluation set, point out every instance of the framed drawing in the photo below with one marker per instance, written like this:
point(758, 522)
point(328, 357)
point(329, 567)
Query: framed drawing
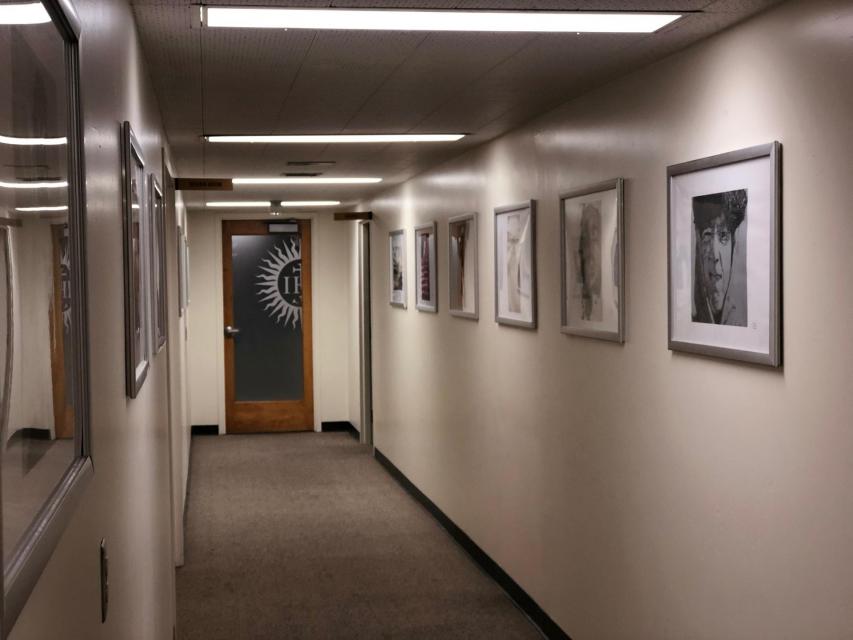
point(592, 257)
point(158, 263)
point(462, 273)
point(426, 296)
point(515, 265)
point(724, 244)
point(135, 232)
point(397, 257)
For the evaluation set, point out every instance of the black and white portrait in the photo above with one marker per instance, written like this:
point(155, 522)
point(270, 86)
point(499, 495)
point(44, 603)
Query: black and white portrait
point(719, 250)
point(724, 255)
point(592, 260)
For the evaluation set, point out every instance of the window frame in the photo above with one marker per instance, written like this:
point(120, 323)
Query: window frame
point(40, 539)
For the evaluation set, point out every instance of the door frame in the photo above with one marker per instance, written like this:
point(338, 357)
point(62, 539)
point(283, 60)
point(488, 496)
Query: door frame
point(243, 419)
point(365, 334)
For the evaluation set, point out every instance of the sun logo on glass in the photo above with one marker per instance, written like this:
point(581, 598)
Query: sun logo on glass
point(280, 283)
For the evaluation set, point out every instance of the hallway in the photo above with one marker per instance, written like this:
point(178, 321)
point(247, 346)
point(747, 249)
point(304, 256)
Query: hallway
point(306, 536)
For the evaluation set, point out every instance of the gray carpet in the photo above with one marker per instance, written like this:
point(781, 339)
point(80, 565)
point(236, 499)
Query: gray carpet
point(306, 536)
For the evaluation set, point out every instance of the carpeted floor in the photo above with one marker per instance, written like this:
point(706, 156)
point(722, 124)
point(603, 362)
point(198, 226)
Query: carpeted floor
point(305, 535)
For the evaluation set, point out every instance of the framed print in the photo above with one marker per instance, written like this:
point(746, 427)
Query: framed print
point(592, 257)
point(135, 231)
point(515, 265)
point(463, 284)
point(397, 257)
point(724, 244)
point(158, 263)
point(426, 295)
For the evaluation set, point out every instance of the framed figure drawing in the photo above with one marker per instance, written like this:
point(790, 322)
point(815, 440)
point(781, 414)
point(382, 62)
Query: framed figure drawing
point(724, 246)
point(135, 248)
point(158, 263)
point(397, 259)
point(592, 256)
point(462, 274)
point(426, 296)
point(515, 265)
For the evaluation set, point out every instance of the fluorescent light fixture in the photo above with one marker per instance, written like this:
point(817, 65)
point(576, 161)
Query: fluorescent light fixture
point(425, 20)
point(306, 180)
point(32, 142)
point(54, 184)
point(23, 13)
point(266, 203)
point(63, 207)
point(343, 138)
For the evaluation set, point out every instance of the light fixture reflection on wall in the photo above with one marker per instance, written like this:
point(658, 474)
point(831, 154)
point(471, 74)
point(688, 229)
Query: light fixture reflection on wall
point(53, 184)
point(23, 13)
point(63, 207)
point(32, 142)
point(267, 203)
point(374, 138)
point(306, 180)
point(426, 20)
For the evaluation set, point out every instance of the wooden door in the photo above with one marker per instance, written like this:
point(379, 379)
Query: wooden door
point(266, 270)
point(60, 333)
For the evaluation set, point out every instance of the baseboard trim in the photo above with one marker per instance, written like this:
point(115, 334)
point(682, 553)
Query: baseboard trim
point(204, 430)
point(340, 425)
point(522, 599)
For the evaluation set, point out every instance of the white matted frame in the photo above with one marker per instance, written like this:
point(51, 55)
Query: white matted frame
point(463, 286)
point(397, 268)
point(426, 268)
point(724, 240)
point(159, 317)
point(592, 256)
point(515, 265)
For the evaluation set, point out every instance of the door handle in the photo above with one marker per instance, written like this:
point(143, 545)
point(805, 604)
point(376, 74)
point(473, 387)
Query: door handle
point(230, 331)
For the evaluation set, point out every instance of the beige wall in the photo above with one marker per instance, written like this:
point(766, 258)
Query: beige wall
point(128, 501)
point(330, 290)
point(635, 492)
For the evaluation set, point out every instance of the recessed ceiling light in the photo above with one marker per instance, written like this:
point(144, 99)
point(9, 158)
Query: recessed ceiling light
point(23, 13)
point(267, 203)
point(63, 207)
point(31, 142)
point(306, 180)
point(53, 184)
point(342, 138)
point(420, 20)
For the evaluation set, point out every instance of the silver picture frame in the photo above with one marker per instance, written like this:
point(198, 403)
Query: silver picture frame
point(136, 246)
point(768, 349)
point(428, 230)
point(472, 266)
point(397, 295)
point(527, 258)
point(570, 325)
point(157, 215)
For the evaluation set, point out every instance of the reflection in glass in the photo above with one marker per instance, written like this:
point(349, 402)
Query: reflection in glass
point(36, 359)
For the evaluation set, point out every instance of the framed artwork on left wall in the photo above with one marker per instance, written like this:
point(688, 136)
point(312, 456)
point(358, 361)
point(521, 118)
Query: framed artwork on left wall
point(136, 248)
point(515, 265)
point(724, 229)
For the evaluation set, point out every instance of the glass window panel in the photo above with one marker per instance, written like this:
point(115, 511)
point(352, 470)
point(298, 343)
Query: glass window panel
point(38, 413)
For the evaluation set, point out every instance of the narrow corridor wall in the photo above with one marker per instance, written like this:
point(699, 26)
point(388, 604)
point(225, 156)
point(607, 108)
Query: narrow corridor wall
point(635, 492)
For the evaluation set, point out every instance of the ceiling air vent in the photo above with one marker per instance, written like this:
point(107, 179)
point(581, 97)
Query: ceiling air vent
point(311, 163)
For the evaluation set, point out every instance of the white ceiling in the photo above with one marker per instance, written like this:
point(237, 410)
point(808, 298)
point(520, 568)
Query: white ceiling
point(266, 81)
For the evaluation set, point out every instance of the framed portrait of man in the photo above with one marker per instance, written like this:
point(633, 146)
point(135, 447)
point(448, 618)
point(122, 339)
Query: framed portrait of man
point(515, 265)
point(724, 265)
point(426, 295)
point(591, 240)
point(397, 263)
